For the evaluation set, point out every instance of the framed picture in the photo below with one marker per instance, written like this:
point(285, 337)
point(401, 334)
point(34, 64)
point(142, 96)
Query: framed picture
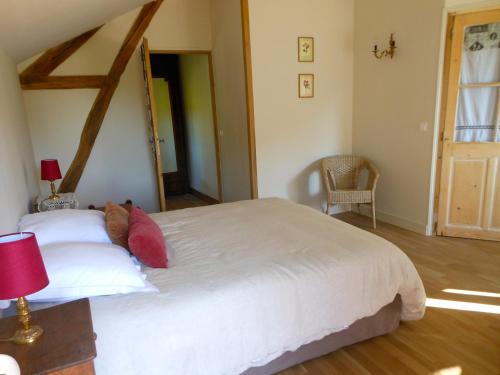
point(306, 85)
point(306, 49)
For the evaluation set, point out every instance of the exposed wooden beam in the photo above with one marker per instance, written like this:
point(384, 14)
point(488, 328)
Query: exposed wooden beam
point(55, 56)
point(63, 82)
point(103, 99)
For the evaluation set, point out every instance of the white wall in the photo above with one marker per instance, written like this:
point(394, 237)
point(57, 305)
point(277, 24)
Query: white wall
point(18, 178)
point(293, 134)
point(391, 99)
point(199, 121)
point(165, 125)
point(31, 26)
point(227, 54)
point(120, 166)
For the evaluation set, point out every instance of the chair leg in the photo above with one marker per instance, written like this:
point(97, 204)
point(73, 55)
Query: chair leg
point(373, 216)
point(327, 211)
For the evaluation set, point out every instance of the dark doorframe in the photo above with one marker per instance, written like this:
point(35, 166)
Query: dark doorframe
point(178, 117)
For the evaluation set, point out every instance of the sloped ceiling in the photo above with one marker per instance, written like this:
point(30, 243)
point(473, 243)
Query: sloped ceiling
point(28, 27)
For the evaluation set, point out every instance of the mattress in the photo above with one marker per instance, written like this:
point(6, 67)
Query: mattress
point(251, 280)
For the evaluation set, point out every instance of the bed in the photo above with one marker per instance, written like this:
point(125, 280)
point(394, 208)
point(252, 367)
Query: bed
point(255, 287)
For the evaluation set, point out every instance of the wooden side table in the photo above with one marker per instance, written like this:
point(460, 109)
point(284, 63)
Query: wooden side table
point(67, 346)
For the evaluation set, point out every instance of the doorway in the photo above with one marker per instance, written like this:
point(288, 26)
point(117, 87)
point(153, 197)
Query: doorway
point(183, 112)
point(469, 194)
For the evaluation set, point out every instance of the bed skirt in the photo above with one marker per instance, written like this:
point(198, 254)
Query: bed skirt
point(384, 321)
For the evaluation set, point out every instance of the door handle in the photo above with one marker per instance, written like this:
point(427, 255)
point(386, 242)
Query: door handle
point(161, 140)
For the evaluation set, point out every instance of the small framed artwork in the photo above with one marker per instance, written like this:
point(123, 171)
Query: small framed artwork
point(306, 85)
point(306, 49)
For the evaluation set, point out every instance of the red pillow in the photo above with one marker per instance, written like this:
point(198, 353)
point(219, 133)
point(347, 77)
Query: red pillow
point(145, 239)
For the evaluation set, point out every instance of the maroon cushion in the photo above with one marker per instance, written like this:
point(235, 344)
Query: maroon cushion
point(145, 239)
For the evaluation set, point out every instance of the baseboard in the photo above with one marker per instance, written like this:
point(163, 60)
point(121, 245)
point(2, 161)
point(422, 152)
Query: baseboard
point(203, 197)
point(337, 209)
point(395, 220)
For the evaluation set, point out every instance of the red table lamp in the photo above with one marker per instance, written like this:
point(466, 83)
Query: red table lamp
point(51, 172)
point(22, 272)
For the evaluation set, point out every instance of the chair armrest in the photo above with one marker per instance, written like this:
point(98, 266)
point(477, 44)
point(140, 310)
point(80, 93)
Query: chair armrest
point(373, 175)
point(329, 180)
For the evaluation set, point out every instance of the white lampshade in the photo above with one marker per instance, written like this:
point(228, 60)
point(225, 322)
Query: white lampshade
point(8, 365)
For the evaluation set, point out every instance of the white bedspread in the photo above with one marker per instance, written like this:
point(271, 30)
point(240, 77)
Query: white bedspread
point(251, 280)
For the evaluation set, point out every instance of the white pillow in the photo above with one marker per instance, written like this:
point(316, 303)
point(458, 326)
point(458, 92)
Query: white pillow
point(79, 270)
point(66, 226)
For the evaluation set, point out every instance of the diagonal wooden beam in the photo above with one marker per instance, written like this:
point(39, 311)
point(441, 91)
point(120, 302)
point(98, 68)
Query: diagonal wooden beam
point(63, 82)
point(103, 99)
point(55, 56)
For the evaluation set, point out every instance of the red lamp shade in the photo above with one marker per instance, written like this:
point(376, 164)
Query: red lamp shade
point(50, 170)
point(22, 271)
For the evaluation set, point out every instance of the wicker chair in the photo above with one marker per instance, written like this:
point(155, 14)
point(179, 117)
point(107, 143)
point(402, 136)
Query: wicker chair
point(341, 177)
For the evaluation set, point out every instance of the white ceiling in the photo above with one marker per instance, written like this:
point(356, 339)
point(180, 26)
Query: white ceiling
point(28, 27)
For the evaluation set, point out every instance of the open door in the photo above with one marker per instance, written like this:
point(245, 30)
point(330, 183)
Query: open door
point(153, 122)
point(469, 198)
point(165, 72)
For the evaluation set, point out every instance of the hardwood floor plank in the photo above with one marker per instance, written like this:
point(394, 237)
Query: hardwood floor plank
point(410, 362)
point(351, 365)
point(178, 202)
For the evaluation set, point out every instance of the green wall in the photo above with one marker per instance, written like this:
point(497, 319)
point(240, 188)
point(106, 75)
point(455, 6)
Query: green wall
point(165, 126)
point(197, 100)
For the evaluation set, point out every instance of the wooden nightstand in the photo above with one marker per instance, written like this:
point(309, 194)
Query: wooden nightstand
point(67, 346)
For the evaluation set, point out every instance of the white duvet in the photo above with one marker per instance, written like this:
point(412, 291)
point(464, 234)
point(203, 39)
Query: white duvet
point(251, 280)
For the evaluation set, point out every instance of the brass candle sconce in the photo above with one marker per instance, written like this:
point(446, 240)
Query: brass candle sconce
point(389, 52)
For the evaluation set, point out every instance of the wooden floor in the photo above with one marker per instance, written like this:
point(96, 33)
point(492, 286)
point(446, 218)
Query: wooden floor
point(464, 342)
point(178, 202)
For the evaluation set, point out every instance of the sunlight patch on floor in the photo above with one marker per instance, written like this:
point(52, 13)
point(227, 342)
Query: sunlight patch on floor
point(457, 370)
point(464, 306)
point(472, 293)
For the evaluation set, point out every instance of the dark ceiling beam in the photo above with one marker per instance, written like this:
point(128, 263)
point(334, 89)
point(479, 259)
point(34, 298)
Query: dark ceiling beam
point(55, 56)
point(63, 82)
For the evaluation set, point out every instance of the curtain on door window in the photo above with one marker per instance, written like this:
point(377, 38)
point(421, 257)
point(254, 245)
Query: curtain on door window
point(478, 112)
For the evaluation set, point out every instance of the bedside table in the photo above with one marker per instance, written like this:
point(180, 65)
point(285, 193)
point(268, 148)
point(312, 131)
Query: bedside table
point(67, 346)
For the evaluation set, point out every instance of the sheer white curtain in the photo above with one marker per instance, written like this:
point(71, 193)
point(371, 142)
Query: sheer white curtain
point(477, 114)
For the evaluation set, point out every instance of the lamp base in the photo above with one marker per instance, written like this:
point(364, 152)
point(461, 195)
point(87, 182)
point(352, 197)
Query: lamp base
point(27, 336)
point(53, 195)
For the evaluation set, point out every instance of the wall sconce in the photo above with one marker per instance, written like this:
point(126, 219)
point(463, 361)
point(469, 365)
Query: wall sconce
point(389, 52)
